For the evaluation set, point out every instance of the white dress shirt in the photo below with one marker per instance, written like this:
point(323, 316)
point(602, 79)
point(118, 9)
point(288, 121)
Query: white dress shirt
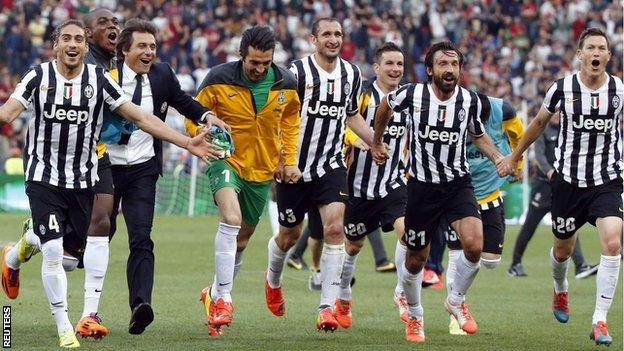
point(140, 147)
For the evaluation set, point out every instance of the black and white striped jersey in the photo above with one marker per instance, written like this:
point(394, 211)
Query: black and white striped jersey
point(437, 146)
point(327, 98)
point(60, 144)
point(366, 179)
point(589, 150)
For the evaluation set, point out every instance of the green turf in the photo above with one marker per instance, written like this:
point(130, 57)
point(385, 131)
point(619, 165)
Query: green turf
point(513, 313)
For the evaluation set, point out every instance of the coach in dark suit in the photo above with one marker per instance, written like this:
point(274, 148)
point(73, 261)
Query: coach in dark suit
point(137, 157)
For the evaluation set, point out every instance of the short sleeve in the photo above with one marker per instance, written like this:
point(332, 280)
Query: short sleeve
point(113, 94)
point(397, 99)
point(475, 122)
point(552, 100)
point(352, 109)
point(25, 88)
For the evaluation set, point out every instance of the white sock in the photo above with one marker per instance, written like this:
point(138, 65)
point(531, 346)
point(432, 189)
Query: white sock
point(348, 267)
point(55, 283)
point(451, 269)
point(466, 272)
point(12, 258)
point(559, 273)
point(332, 258)
point(490, 264)
point(277, 259)
point(32, 239)
point(399, 261)
point(273, 216)
point(238, 262)
point(95, 262)
point(412, 283)
point(225, 252)
point(606, 282)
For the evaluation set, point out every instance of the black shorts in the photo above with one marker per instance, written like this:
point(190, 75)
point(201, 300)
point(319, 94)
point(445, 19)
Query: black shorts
point(493, 220)
point(294, 200)
point(364, 216)
point(315, 224)
point(541, 195)
point(59, 212)
point(105, 183)
point(573, 206)
point(428, 202)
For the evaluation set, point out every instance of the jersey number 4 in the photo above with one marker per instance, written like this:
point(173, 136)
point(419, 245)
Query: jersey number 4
point(53, 223)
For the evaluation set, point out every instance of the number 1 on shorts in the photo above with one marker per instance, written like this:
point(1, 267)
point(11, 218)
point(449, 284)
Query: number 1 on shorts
point(226, 175)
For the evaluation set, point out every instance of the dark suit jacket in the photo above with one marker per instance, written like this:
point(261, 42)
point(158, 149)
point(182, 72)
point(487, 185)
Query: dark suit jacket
point(166, 92)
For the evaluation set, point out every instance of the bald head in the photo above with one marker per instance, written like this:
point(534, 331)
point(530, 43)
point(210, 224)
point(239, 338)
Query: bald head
point(102, 28)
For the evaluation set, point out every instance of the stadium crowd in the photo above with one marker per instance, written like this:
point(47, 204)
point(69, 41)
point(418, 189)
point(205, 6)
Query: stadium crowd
point(514, 49)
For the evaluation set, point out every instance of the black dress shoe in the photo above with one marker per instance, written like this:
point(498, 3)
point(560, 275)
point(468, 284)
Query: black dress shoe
point(142, 316)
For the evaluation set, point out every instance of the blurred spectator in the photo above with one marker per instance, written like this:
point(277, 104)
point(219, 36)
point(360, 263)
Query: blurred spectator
point(14, 165)
point(187, 83)
point(200, 73)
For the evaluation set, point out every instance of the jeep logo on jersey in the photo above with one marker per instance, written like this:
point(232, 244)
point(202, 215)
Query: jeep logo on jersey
point(327, 109)
point(395, 131)
point(588, 124)
point(65, 113)
point(438, 134)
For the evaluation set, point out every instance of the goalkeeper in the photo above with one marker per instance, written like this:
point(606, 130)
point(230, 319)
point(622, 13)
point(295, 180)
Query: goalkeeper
point(259, 101)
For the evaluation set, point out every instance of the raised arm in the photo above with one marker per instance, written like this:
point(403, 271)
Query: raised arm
point(10, 110)
point(508, 164)
point(382, 117)
point(151, 124)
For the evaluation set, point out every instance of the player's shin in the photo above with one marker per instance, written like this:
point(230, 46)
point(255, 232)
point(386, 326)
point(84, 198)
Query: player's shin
point(399, 261)
point(332, 259)
point(559, 273)
point(348, 267)
point(55, 283)
point(451, 270)
point(225, 256)
point(277, 259)
point(466, 272)
point(412, 285)
point(238, 262)
point(606, 282)
point(95, 265)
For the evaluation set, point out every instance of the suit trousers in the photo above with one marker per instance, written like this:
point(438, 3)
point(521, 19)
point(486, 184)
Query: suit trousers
point(135, 189)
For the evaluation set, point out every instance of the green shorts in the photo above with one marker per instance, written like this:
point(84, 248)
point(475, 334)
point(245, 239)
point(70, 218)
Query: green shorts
point(252, 196)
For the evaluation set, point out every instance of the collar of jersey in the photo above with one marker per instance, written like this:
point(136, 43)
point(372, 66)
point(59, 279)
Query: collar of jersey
point(238, 78)
point(445, 102)
point(335, 72)
point(584, 87)
point(76, 79)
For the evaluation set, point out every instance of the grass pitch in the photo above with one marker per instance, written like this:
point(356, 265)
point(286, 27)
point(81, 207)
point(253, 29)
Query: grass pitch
point(513, 313)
